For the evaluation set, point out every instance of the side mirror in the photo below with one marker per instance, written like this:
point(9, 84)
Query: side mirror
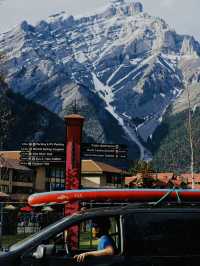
point(43, 250)
point(40, 252)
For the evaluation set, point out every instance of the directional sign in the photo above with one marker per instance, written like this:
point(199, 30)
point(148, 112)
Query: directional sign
point(44, 154)
point(106, 151)
point(38, 154)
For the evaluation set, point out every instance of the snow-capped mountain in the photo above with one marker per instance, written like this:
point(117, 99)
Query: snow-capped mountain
point(123, 64)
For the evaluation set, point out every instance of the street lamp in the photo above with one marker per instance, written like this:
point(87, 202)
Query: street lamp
point(190, 137)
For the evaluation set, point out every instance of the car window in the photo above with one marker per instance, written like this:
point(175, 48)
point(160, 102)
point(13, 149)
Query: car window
point(86, 242)
point(162, 234)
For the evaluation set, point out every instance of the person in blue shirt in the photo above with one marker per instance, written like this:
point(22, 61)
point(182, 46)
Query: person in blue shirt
point(106, 245)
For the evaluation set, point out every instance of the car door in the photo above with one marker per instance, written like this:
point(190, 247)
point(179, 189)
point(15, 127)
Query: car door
point(87, 243)
point(95, 261)
point(58, 252)
point(161, 238)
point(27, 259)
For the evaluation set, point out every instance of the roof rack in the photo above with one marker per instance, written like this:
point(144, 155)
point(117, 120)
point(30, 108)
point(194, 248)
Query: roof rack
point(166, 195)
point(166, 198)
point(94, 204)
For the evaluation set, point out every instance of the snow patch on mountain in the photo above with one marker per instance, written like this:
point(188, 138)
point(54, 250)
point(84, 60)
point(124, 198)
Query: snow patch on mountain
point(106, 94)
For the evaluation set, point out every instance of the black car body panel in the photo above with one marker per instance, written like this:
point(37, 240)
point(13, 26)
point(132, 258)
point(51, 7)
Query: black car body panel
point(148, 236)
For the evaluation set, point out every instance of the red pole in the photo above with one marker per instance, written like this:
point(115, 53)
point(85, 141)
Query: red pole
point(74, 125)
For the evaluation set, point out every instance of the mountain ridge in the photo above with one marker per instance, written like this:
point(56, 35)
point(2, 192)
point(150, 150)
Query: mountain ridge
point(133, 63)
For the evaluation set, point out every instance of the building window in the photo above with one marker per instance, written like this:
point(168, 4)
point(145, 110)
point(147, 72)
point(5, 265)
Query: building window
point(20, 176)
point(4, 174)
point(109, 179)
point(4, 188)
point(22, 190)
point(55, 178)
point(114, 180)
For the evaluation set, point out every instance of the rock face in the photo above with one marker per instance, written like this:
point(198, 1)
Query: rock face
point(128, 10)
point(138, 7)
point(124, 64)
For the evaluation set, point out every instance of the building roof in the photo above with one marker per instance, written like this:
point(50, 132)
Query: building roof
point(3, 195)
point(188, 177)
point(11, 154)
point(130, 179)
point(12, 164)
point(162, 177)
point(90, 166)
point(74, 116)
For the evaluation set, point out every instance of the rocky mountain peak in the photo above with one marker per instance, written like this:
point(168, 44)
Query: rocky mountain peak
point(127, 8)
point(25, 27)
point(190, 47)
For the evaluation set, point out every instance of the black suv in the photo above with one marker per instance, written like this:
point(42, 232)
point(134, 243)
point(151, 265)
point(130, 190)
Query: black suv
point(143, 234)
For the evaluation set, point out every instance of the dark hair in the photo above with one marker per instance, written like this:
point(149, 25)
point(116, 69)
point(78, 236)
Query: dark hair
point(102, 222)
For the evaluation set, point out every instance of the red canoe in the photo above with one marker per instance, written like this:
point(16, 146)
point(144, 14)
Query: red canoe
point(98, 195)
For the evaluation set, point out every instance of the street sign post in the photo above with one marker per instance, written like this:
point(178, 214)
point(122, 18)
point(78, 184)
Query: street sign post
point(104, 151)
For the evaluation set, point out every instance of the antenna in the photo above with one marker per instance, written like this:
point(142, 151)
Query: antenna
point(190, 137)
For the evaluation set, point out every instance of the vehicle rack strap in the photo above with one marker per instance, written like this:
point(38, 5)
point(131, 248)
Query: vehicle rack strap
point(178, 197)
point(162, 198)
point(166, 195)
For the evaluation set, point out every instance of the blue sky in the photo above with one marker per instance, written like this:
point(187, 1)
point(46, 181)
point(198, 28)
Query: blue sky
point(182, 15)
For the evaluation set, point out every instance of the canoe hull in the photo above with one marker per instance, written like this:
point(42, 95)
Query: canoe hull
point(119, 195)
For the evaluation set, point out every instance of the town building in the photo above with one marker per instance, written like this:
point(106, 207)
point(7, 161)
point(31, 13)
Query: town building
point(15, 179)
point(187, 177)
point(163, 180)
point(20, 181)
point(98, 175)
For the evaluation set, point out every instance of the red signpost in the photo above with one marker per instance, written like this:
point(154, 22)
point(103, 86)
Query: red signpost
point(74, 124)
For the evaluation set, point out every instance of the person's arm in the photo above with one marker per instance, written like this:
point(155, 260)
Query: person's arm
point(108, 251)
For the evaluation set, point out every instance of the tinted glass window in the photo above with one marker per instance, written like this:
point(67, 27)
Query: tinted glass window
point(63, 244)
point(157, 234)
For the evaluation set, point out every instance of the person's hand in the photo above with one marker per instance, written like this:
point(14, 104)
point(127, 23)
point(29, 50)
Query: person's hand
point(81, 257)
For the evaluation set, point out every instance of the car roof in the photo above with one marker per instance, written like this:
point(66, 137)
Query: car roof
point(148, 206)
